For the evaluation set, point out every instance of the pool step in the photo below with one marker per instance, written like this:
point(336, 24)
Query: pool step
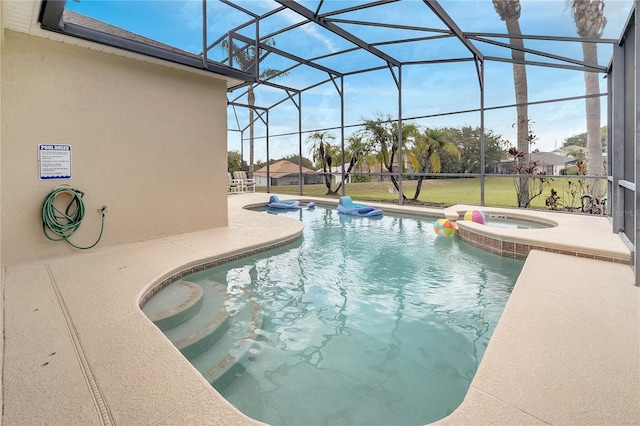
point(174, 305)
point(204, 329)
point(194, 317)
point(223, 362)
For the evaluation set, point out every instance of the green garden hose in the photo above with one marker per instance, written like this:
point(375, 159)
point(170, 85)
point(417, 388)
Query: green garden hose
point(63, 224)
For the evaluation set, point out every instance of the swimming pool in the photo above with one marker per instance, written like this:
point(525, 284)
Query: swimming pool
point(361, 321)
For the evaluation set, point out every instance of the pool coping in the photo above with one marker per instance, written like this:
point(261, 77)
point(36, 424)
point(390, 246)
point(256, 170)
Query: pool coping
point(518, 243)
point(177, 275)
point(77, 348)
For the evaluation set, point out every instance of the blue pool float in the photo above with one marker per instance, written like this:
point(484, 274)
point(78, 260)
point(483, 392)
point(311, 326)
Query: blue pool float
point(276, 203)
point(347, 206)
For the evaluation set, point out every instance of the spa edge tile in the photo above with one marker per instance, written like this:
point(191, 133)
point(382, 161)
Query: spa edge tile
point(585, 255)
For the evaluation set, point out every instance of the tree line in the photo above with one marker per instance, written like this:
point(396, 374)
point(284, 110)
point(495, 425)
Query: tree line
point(374, 149)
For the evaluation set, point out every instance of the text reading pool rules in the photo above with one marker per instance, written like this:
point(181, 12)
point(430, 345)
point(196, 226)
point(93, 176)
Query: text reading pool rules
point(55, 161)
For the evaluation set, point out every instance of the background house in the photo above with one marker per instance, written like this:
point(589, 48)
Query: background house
point(548, 163)
point(286, 173)
point(570, 151)
point(336, 174)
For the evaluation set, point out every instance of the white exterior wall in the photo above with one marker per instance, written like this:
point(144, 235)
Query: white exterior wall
point(147, 141)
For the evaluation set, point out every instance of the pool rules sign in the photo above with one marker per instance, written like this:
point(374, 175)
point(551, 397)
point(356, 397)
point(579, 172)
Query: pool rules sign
point(54, 161)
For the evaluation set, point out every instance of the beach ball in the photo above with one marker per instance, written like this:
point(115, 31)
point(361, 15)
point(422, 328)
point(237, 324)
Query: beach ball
point(444, 228)
point(476, 216)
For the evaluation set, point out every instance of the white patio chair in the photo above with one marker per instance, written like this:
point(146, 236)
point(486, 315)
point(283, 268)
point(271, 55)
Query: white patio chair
point(248, 184)
point(234, 185)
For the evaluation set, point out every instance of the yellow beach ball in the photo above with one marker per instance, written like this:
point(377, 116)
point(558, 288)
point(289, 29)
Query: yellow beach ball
point(444, 228)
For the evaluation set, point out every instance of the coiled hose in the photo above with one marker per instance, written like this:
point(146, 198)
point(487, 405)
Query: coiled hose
point(62, 224)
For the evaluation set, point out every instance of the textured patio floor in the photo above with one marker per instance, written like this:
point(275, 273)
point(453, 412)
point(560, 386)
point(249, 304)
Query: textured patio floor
point(78, 350)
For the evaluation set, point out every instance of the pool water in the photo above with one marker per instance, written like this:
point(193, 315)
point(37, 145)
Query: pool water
point(365, 321)
point(503, 222)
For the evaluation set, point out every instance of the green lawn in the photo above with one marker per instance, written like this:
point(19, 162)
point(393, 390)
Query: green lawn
point(499, 191)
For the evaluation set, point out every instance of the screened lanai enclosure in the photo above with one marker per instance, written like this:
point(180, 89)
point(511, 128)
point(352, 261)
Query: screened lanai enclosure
point(539, 96)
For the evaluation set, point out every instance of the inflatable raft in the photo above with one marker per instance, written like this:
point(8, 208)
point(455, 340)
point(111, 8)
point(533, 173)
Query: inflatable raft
point(276, 203)
point(347, 206)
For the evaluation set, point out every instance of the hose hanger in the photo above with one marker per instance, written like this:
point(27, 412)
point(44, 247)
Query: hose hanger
point(61, 223)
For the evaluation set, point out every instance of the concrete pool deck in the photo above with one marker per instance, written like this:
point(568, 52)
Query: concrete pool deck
point(78, 350)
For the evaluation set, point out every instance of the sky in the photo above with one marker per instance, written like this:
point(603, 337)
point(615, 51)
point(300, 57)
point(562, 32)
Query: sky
point(426, 89)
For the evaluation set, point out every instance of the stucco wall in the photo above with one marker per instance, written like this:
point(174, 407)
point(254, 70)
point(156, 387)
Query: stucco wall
point(2, 285)
point(147, 141)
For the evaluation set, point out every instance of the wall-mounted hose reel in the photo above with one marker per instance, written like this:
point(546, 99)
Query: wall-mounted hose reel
point(60, 222)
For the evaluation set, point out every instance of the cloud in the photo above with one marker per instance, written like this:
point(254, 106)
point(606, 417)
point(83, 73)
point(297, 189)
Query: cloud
point(191, 14)
point(311, 30)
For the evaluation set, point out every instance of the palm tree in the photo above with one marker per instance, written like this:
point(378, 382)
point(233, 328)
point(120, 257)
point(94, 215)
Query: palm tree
point(426, 150)
point(371, 159)
point(590, 22)
point(357, 151)
point(322, 153)
point(356, 148)
point(365, 158)
point(382, 136)
point(246, 59)
point(576, 153)
point(509, 11)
